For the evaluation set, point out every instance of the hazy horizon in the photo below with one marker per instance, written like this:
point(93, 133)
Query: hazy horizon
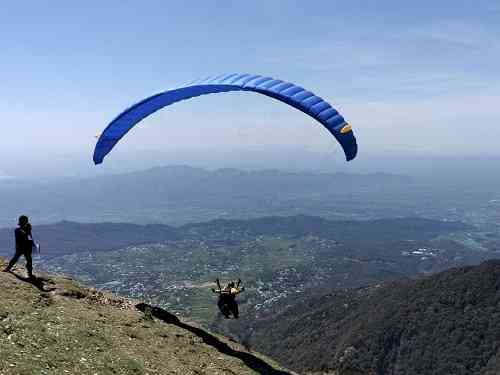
point(286, 159)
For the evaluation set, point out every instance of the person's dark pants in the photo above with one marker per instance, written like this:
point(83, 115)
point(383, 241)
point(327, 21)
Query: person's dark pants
point(227, 307)
point(27, 256)
point(233, 307)
point(223, 307)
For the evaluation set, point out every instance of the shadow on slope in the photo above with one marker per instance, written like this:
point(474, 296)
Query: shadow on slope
point(250, 360)
point(37, 282)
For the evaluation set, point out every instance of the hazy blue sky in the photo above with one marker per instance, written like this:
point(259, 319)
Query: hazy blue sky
point(412, 77)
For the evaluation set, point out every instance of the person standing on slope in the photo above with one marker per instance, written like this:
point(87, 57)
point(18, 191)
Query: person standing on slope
point(227, 299)
point(24, 245)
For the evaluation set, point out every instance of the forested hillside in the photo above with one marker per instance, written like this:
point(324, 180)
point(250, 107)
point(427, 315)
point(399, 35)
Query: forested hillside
point(446, 324)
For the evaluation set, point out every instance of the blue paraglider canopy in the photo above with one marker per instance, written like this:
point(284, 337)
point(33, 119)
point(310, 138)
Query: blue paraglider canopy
point(285, 92)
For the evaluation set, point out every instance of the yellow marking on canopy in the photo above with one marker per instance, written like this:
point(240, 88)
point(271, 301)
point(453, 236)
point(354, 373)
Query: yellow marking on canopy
point(346, 129)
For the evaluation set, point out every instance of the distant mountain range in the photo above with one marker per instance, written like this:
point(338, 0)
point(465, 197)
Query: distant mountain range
point(70, 237)
point(177, 195)
point(445, 324)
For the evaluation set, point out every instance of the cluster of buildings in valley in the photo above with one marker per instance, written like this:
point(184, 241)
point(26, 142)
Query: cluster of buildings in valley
point(179, 274)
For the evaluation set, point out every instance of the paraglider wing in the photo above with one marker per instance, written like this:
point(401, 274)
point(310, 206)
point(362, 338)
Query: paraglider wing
point(288, 93)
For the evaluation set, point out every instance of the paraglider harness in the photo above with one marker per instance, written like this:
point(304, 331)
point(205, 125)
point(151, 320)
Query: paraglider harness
point(227, 298)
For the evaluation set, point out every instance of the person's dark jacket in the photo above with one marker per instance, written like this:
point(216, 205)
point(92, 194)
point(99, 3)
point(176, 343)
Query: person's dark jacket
point(24, 243)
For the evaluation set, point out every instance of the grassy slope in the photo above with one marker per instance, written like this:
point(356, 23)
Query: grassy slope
point(66, 329)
